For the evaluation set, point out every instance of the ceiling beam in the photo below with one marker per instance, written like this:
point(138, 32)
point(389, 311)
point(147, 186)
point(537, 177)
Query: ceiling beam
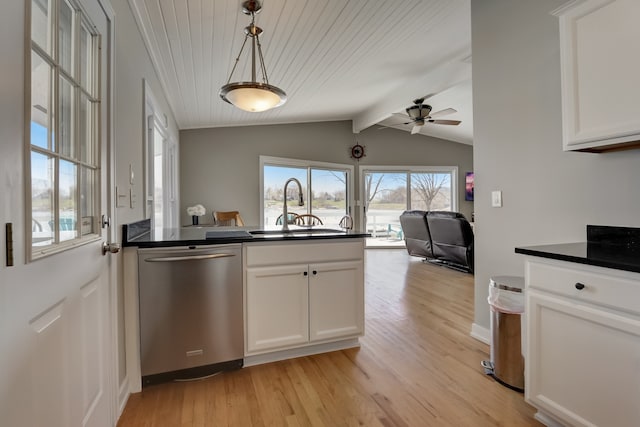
point(443, 77)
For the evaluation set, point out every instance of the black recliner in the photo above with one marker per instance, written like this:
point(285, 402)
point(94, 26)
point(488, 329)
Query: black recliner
point(416, 234)
point(439, 236)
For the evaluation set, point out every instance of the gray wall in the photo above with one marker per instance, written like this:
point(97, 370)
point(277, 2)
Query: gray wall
point(220, 166)
point(549, 196)
point(132, 67)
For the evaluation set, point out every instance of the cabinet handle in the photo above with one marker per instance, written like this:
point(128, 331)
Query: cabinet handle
point(315, 272)
point(305, 273)
point(579, 286)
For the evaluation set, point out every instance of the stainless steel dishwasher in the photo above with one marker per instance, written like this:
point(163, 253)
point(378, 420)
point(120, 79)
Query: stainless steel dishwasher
point(190, 311)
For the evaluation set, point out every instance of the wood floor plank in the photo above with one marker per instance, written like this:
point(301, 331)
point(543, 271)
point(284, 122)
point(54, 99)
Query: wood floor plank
point(417, 366)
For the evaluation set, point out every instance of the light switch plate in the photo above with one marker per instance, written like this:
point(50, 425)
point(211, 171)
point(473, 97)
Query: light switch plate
point(496, 199)
point(122, 198)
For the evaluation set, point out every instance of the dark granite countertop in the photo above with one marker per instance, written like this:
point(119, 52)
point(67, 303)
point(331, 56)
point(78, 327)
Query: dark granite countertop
point(139, 234)
point(609, 247)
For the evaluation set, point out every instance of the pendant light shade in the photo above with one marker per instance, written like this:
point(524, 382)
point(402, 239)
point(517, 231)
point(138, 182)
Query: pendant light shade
point(252, 96)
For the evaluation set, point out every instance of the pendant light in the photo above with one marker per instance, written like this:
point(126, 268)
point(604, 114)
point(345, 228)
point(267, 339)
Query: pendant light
point(252, 96)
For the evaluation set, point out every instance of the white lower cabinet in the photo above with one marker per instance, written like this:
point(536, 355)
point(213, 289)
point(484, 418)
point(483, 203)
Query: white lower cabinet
point(277, 307)
point(295, 305)
point(583, 348)
point(336, 300)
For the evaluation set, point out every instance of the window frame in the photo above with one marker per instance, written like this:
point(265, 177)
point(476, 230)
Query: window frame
point(453, 170)
point(309, 165)
point(408, 170)
point(89, 91)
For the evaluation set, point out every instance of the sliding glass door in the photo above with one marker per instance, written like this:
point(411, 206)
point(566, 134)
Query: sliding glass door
point(385, 199)
point(326, 189)
point(387, 193)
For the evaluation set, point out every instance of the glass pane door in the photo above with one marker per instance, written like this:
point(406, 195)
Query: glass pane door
point(387, 194)
point(329, 195)
point(431, 191)
point(158, 180)
point(324, 187)
point(385, 200)
point(274, 179)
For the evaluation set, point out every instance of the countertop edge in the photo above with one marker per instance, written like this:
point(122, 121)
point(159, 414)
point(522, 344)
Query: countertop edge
point(201, 242)
point(546, 251)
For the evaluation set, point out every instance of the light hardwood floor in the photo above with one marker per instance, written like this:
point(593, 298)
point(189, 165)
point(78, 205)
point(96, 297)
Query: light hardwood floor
point(417, 366)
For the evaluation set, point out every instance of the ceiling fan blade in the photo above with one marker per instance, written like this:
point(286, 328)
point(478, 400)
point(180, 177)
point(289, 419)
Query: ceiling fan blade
point(416, 129)
point(446, 122)
point(443, 112)
point(423, 98)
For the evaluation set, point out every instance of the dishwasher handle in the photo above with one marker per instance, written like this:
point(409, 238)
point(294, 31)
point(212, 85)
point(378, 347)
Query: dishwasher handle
point(187, 258)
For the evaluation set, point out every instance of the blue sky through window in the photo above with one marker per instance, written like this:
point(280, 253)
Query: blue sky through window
point(39, 163)
point(323, 180)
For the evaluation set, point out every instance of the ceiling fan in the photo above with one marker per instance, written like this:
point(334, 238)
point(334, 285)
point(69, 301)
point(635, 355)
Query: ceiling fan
point(420, 114)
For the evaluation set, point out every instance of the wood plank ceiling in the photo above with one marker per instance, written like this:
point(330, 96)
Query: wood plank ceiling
point(359, 60)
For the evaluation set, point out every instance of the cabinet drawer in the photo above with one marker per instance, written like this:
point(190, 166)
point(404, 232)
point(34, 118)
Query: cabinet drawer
point(296, 253)
point(605, 287)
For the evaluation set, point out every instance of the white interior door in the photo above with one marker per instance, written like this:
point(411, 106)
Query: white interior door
point(55, 311)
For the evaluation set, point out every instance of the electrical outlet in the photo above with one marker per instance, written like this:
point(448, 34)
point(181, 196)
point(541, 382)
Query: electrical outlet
point(496, 199)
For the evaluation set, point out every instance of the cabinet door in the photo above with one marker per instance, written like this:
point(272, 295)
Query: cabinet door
point(582, 362)
point(600, 70)
point(336, 300)
point(277, 307)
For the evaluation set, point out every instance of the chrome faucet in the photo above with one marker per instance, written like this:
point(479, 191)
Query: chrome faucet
point(285, 215)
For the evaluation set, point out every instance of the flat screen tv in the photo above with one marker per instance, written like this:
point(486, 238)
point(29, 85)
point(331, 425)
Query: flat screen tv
point(468, 186)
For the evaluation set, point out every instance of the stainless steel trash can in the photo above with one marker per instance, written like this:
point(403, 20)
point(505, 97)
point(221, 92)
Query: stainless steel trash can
point(506, 300)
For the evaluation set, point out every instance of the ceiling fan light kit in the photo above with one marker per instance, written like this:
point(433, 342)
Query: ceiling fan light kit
point(420, 114)
point(418, 111)
point(252, 96)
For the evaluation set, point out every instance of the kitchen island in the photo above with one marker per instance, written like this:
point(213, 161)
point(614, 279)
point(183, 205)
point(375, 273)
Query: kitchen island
point(302, 290)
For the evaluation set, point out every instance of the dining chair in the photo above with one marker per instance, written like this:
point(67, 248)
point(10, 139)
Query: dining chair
point(228, 218)
point(291, 218)
point(308, 219)
point(346, 222)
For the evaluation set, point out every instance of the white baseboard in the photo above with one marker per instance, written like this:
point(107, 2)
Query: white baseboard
point(123, 395)
point(481, 333)
point(546, 420)
point(259, 359)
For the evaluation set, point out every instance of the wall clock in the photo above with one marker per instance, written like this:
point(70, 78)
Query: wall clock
point(357, 151)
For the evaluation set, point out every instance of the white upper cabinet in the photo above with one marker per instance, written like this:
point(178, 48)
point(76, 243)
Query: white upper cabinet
point(600, 74)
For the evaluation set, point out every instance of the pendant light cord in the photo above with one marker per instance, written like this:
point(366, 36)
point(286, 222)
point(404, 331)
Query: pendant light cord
point(265, 79)
point(238, 58)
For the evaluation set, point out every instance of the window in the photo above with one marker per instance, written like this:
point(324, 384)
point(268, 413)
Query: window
point(326, 188)
point(63, 137)
point(161, 166)
point(387, 192)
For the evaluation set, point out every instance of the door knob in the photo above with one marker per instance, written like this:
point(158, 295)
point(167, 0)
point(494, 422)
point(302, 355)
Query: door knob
point(112, 248)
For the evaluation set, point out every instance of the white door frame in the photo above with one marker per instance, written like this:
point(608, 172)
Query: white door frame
point(117, 399)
